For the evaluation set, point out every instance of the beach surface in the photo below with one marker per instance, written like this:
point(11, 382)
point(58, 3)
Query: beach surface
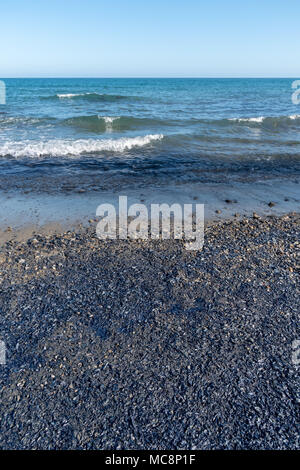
point(146, 345)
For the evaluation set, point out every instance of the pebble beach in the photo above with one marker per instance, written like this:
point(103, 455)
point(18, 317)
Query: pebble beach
point(146, 345)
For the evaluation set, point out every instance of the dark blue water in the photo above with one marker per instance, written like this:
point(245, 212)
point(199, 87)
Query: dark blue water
point(118, 133)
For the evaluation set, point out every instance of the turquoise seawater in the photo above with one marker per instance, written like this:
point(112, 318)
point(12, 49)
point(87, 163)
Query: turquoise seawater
point(122, 133)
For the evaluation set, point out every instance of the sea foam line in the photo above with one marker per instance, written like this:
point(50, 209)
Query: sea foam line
point(60, 148)
point(91, 96)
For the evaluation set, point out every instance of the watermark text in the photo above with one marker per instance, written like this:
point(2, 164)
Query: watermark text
point(160, 221)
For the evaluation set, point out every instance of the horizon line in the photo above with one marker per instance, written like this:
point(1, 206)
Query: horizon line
point(151, 77)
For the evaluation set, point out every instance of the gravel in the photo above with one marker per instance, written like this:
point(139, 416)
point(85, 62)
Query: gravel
point(146, 345)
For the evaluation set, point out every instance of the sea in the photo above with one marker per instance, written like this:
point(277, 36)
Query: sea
point(78, 136)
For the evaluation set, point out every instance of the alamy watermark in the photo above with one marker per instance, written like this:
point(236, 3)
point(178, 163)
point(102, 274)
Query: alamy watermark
point(2, 92)
point(2, 353)
point(162, 221)
point(296, 94)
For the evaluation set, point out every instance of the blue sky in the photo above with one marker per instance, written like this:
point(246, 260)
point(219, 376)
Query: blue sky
point(150, 38)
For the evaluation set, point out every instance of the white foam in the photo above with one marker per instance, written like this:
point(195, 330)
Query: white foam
point(68, 95)
point(253, 119)
point(108, 119)
point(294, 116)
point(60, 147)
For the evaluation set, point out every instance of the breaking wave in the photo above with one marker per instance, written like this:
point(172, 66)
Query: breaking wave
point(63, 148)
point(97, 123)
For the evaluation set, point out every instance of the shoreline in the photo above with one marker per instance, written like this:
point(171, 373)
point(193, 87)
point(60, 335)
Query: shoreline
point(22, 215)
point(95, 360)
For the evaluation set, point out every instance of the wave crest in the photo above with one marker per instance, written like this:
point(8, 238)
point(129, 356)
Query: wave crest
point(89, 96)
point(15, 120)
point(275, 120)
point(97, 123)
